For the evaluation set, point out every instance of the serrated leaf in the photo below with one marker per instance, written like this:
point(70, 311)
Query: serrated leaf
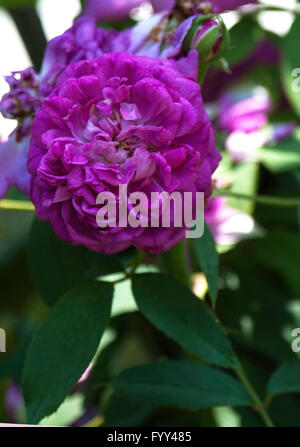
point(183, 317)
point(64, 346)
point(181, 384)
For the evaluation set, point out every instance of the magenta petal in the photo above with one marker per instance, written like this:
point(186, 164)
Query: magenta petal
point(103, 10)
point(229, 5)
point(163, 5)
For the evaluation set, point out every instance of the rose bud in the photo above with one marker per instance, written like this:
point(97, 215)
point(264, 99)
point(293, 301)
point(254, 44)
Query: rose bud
point(209, 36)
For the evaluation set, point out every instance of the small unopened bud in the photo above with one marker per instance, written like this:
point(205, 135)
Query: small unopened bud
point(209, 36)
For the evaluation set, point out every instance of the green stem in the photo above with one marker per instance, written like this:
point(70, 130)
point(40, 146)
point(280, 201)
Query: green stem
point(203, 67)
point(30, 28)
point(140, 255)
point(264, 200)
point(175, 263)
point(259, 406)
point(16, 205)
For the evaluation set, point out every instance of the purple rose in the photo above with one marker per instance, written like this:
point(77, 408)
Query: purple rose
point(83, 41)
point(119, 119)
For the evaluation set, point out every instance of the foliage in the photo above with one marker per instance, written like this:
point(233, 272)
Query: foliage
point(156, 347)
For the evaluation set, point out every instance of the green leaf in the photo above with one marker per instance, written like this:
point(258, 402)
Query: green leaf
point(9, 4)
point(183, 317)
point(245, 181)
point(181, 384)
point(280, 251)
point(208, 258)
point(64, 346)
point(243, 38)
point(290, 64)
point(282, 157)
point(286, 379)
point(56, 266)
point(126, 413)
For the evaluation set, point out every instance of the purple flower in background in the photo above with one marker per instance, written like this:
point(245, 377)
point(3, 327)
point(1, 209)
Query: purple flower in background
point(22, 100)
point(119, 119)
point(103, 10)
point(244, 146)
point(244, 109)
point(14, 404)
point(244, 113)
point(228, 225)
point(13, 157)
point(229, 5)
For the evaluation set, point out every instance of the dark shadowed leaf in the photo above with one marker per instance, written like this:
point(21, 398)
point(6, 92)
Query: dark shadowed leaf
point(181, 384)
point(64, 346)
point(126, 413)
point(56, 266)
point(182, 316)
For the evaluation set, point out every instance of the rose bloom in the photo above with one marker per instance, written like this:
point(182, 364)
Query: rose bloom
point(118, 119)
point(83, 41)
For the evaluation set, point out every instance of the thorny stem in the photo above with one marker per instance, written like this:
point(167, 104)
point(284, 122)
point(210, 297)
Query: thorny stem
point(258, 406)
